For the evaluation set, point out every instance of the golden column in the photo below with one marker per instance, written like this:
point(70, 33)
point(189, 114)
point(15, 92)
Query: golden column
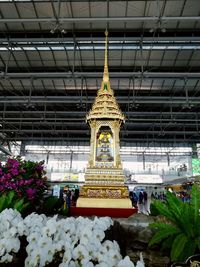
point(91, 161)
point(104, 177)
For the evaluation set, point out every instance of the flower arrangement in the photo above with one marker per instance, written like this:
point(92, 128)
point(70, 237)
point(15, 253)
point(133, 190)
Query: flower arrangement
point(25, 178)
point(69, 242)
point(22, 184)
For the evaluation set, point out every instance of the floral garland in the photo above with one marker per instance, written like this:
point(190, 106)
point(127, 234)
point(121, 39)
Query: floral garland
point(69, 242)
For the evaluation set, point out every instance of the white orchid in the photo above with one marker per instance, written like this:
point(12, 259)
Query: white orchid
point(114, 255)
point(59, 246)
point(80, 252)
point(21, 228)
point(86, 233)
point(98, 234)
point(75, 242)
point(33, 237)
point(140, 263)
point(6, 258)
point(67, 256)
point(126, 262)
point(88, 264)
point(72, 264)
point(102, 264)
point(107, 244)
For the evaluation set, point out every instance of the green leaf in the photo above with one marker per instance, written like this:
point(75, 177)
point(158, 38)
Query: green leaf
point(195, 207)
point(163, 209)
point(167, 243)
point(178, 246)
point(19, 205)
point(185, 221)
point(153, 210)
point(9, 198)
point(189, 250)
point(198, 242)
point(163, 234)
point(2, 202)
point(174, 204)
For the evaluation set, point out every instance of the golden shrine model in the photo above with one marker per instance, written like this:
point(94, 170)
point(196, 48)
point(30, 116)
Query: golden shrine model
point(104, 177)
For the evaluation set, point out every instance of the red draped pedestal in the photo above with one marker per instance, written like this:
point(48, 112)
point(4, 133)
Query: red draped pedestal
point(111, 212)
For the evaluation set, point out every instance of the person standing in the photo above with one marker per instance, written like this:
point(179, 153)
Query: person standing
point(140, 202)
point(145, 199)
point(67, 197)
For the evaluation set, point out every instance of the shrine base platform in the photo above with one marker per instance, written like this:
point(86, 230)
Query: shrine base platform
point(86, 202)
point(101, 212)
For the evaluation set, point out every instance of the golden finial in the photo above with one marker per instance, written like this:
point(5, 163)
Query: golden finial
point(105, 74)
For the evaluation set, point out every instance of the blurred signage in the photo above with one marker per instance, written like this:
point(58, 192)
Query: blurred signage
point(195, 166)
point(146, 178)
point(56, 191)
point(74, 177)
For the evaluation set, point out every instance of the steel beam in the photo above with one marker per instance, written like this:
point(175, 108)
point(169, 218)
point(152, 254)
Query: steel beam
point(129, 124)
point(70, 75)
point(5, 151)
point(99, 19)
point(82, 131)
point(80, 121)
point(82, 113)
point(46, 40)
point(49, 131)
point(121, 99)
point(131, 139)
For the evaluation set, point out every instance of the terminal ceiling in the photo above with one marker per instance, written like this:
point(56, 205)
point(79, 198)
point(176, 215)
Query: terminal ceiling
point(51, 66)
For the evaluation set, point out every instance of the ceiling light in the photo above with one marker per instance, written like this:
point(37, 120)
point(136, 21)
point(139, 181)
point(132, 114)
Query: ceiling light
point(63, 31)
point(158, 29)
point(151, 30)
point(58, 28)
point(163, 30)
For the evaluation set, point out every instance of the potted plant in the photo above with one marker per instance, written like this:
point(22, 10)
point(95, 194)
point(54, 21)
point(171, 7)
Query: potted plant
point(178, 226)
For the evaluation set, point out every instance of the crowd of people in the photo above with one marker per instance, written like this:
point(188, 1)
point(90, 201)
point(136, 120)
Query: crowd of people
point(69, 196)
point(160, 196)
point(139, 200)
point(183, 195)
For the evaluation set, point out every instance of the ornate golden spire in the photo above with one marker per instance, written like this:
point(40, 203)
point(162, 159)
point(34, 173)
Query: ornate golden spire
point(105, 105)
point(105, 73)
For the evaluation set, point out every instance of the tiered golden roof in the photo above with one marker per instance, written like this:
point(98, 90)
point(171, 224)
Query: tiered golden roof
point(105, 105)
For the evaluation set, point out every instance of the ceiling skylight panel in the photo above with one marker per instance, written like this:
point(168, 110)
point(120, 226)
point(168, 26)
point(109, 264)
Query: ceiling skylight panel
point(29, 48)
